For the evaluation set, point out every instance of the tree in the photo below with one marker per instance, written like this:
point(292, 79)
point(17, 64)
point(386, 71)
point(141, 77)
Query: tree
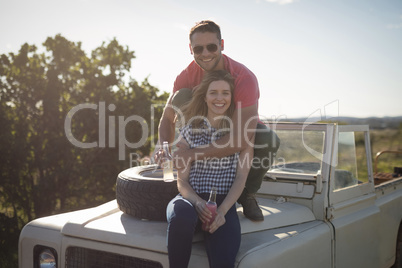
point(42, 172)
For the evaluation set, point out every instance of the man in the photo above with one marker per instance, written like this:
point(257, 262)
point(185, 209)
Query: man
point(207, 45)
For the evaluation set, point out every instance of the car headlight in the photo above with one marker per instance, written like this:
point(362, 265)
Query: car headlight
point(45, 257)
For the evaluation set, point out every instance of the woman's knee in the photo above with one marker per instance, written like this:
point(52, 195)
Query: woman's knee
point(182, 214)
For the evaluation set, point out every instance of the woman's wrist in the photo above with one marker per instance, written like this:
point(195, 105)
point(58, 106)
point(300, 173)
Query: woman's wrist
point(221, 210)
point(199, 200)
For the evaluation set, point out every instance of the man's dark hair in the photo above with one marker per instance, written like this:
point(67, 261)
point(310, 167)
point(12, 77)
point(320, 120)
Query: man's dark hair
point(206, 26)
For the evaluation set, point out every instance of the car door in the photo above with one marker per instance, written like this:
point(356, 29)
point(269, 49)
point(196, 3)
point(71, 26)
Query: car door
point(352, 210)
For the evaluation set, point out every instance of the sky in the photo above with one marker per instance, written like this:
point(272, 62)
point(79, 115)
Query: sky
point(325, 58)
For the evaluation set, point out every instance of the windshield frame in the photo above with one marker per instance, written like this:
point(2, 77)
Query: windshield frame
point(325, 156)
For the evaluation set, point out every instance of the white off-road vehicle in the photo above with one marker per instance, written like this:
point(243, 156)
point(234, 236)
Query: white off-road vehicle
point(322, 203)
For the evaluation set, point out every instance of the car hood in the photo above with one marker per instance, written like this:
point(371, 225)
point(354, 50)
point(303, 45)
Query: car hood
point(108, 224)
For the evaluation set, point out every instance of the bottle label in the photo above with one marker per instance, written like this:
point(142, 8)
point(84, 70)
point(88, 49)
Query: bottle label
point(168, 171)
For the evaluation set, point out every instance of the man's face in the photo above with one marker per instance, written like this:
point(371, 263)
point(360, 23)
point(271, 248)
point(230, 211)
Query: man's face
point(207, 51)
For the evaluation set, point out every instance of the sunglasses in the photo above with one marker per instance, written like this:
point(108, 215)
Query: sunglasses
point(211, 48)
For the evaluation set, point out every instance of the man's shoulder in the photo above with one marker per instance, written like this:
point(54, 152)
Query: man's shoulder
point(192, 68)
point(189, 77)
point(192, 72)
point(236, 68)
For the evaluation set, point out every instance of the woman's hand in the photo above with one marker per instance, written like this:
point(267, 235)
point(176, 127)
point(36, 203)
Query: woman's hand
point(203, 212)
point(205, 215)
point(218, 222)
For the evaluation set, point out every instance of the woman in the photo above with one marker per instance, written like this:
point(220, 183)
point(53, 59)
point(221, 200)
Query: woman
point(207, 118)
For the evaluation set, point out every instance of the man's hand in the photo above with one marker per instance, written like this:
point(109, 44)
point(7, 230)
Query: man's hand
point(158, 156)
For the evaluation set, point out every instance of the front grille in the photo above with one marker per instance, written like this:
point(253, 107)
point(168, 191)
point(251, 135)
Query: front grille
point(77, 257)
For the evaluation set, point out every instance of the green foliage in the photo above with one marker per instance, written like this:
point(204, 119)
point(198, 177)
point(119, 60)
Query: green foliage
point(42, 172)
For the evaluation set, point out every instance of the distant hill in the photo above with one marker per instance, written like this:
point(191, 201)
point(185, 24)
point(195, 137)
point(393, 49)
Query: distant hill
point(373, 122)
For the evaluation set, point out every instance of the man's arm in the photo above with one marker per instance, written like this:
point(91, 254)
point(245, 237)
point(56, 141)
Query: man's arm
point(166, 129)
point(244, 122)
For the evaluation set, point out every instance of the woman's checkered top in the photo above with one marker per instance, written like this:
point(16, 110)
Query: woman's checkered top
point(204, 174)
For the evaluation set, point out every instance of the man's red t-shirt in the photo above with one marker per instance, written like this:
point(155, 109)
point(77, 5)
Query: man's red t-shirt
point(246, 92)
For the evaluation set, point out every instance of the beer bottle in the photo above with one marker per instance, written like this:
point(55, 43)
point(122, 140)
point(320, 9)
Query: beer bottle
point(167, 163)
point(211, 205)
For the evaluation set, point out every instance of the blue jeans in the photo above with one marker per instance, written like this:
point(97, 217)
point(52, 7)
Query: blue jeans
point(221, 246)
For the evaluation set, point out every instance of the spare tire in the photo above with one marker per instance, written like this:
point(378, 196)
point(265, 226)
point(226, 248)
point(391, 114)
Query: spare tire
point(142, 193)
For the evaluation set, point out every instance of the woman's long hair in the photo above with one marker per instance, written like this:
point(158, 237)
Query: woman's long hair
point(196, 110)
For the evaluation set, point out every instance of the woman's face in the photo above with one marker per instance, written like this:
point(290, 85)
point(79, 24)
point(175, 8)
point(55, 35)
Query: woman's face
point(218, 98)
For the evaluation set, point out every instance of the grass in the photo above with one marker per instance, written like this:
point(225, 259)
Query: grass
point(388, 139)
point(381, 140)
